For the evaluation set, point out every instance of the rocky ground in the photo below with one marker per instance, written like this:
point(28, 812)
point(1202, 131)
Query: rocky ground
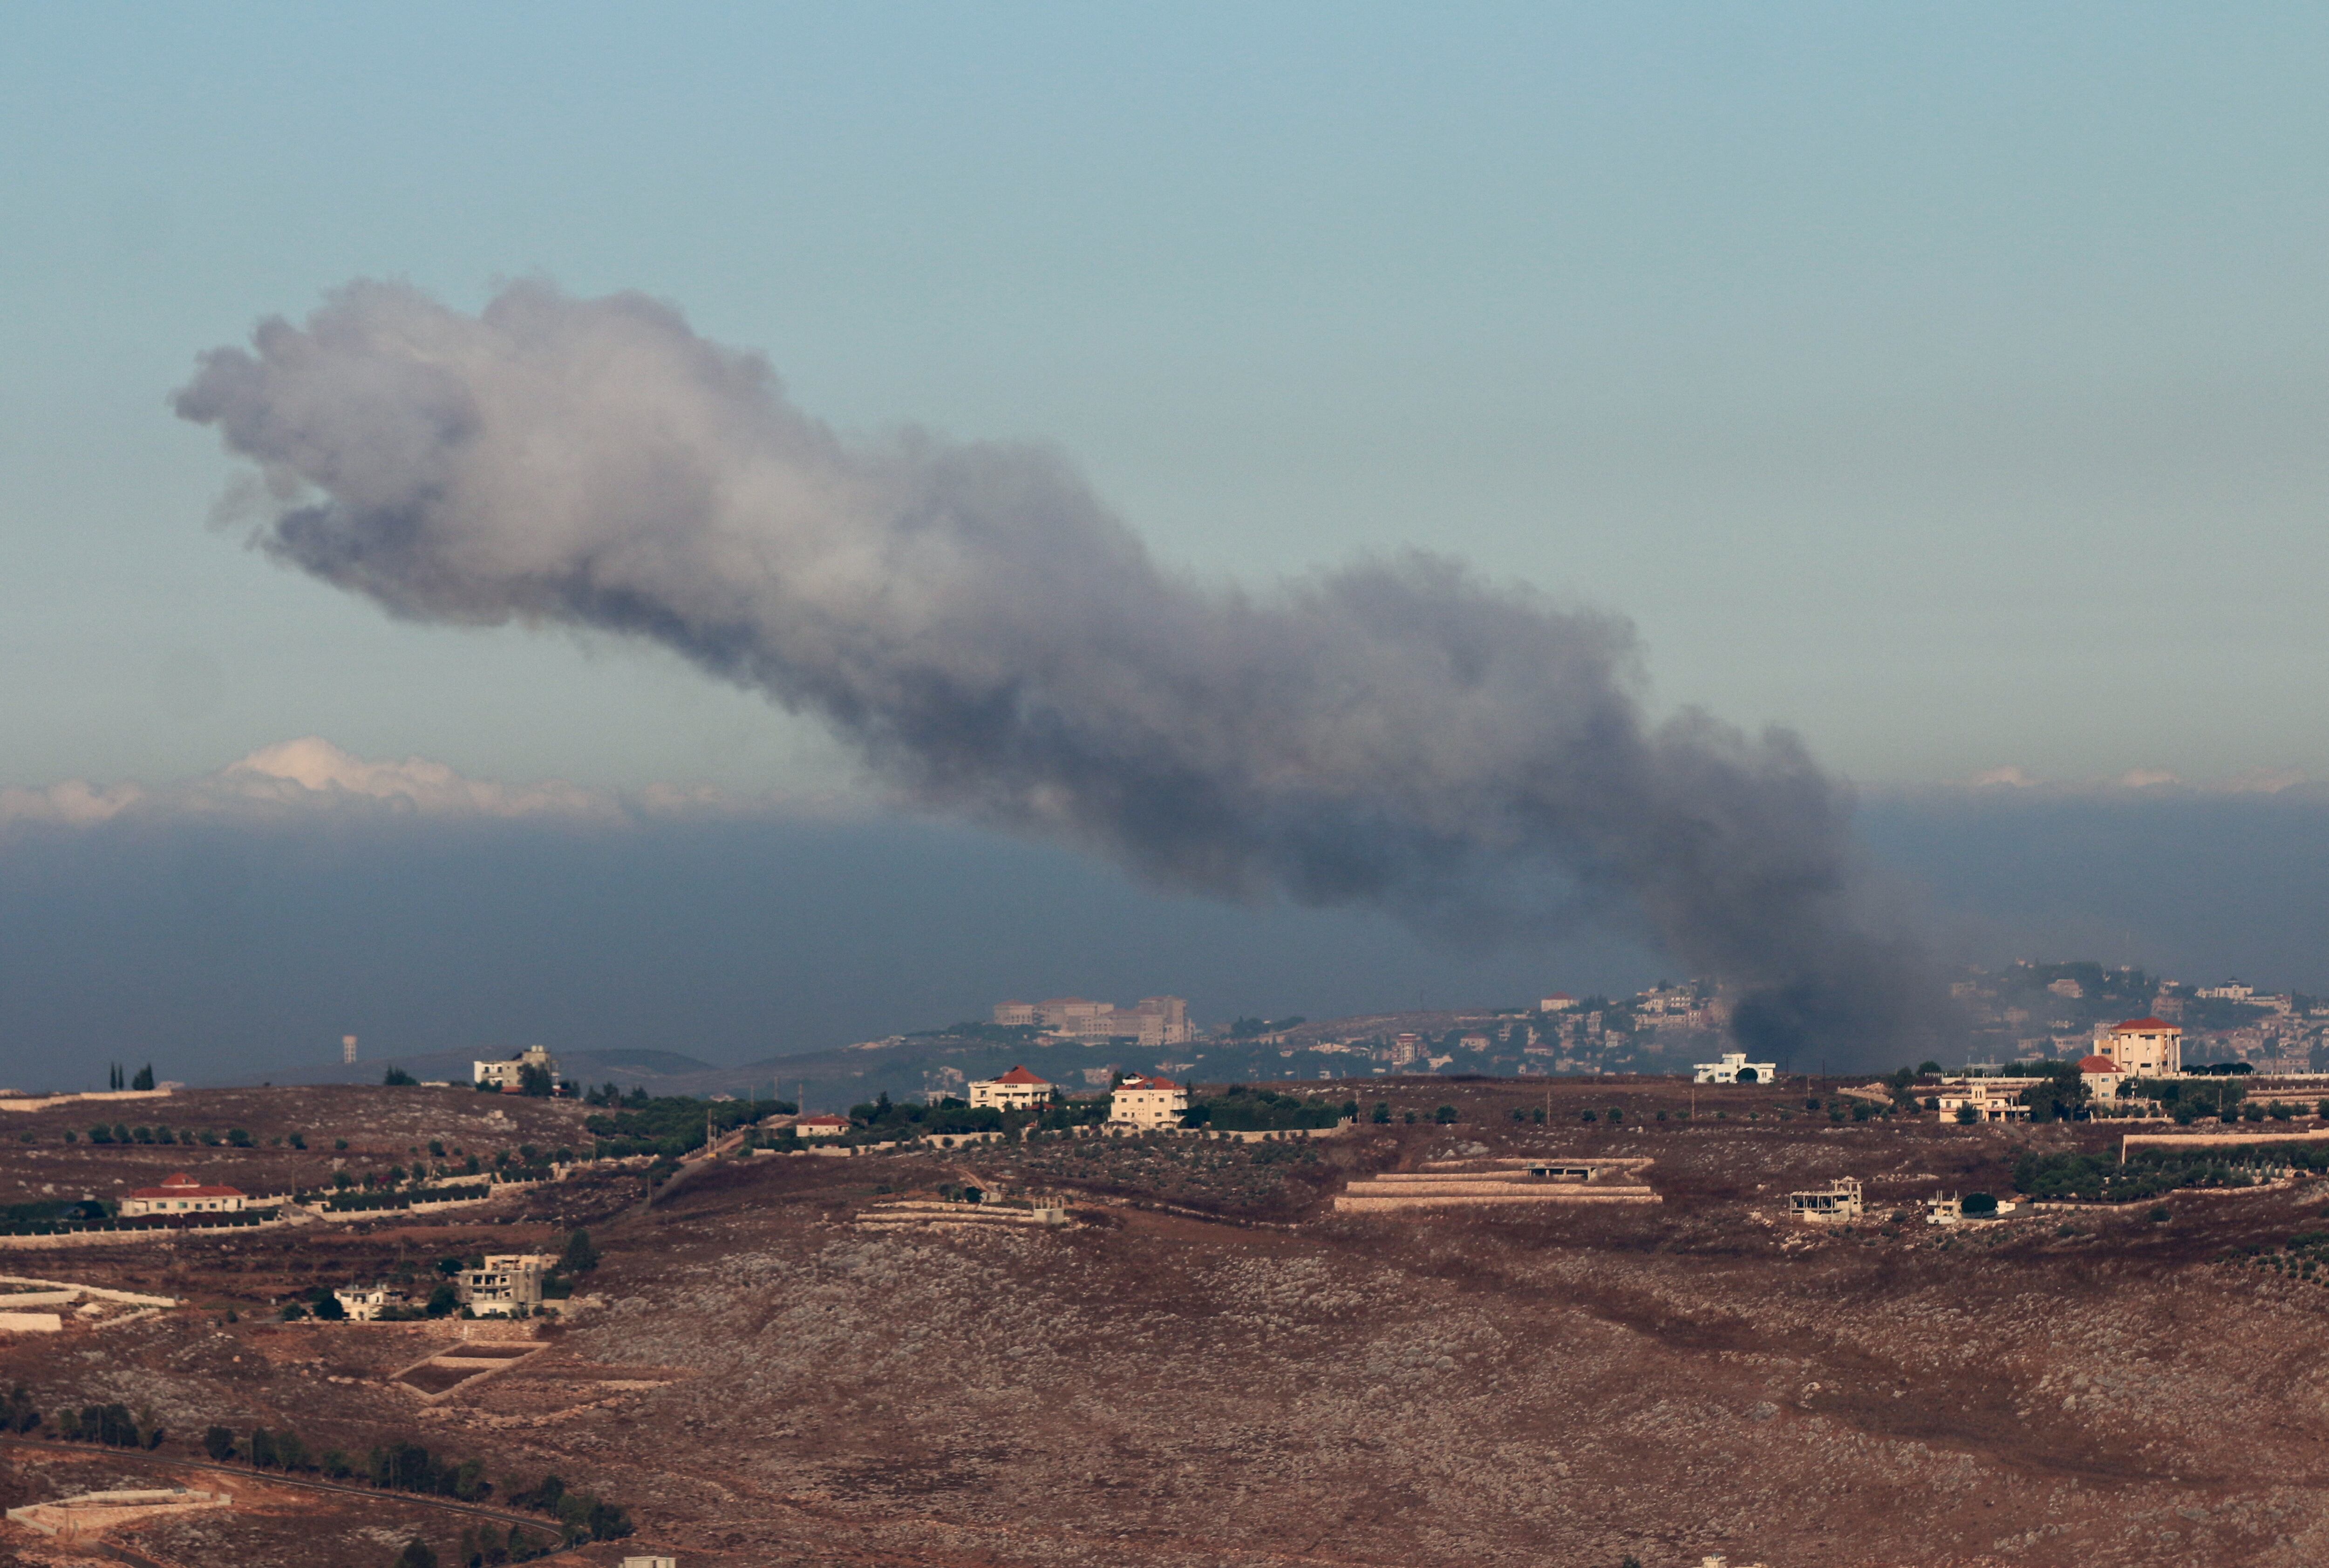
point(1209, 1367)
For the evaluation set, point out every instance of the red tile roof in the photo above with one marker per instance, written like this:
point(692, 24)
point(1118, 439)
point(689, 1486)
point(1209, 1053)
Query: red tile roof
point(2141, 1026)
point(1021, 1075)
point(1148, 1084)
point(182, 1185)
point(821, 1121)
point(2097, 1064)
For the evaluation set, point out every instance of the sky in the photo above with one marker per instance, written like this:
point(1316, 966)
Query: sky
point(1941, 381)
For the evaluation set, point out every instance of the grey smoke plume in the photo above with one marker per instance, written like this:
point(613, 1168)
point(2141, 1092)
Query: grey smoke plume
point(996, 644)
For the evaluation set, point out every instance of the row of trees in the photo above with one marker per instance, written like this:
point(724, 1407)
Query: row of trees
point(111, 1424)
point(411, 1467)
point(120, 1132)
point(117, 1077)
point(673, 1125)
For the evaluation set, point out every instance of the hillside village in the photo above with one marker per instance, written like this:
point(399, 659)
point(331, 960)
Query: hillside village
point(517, 1315)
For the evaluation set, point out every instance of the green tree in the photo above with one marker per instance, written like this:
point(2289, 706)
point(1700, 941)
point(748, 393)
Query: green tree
point(535, 1081)
point(580, 1256)
point(443, 1300)
point(398, 1078)
point(145, 1079)
point(1445, 1116)
point(219, 1443)
point(416, 1555)
point(262, 1448)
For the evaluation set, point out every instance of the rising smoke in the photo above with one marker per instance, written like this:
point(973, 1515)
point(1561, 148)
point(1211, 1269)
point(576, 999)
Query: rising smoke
point(995, 644)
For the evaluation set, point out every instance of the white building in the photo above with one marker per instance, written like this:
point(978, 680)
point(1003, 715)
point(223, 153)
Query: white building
point(819, 1126)
point(508, 1076)
point(506, 1284)
point(1734, 1068)
point(1559, 1002)
point(2144, 1047)
point(1989, 1098)
point(1147, 1102)
point(183, 1194)
point(1016, 1015)
point(365, 1303)
point(1017, 1090)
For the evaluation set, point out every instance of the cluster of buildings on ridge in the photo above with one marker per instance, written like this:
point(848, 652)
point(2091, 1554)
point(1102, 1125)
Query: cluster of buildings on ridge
point(2131, 1049)
point(1135, 1103)
point(502, 1285)
point(2034, 1010)
point(1151, 1021)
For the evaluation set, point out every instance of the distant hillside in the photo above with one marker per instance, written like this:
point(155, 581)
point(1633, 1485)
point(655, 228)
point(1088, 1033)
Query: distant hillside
point(658, 1071)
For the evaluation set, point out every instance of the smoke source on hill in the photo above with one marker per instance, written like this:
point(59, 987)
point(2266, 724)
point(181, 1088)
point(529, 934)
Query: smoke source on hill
point(994, 644)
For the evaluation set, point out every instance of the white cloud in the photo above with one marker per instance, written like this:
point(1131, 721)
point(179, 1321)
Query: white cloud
point(311, 776)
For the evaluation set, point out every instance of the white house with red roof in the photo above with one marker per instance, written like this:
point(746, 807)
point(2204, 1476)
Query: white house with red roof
point(1017, 1090)
point(820, 1126)
point(1147, 1102)
point(183, 1194)
point(2144, 1047)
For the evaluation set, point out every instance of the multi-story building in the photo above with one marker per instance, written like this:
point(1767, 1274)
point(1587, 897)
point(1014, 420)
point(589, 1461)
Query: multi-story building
point(2144, 1047)
point(1147, 1102)
point(1151, 1021)
point(509, 1076)
point(1017, 1090)
point(508, 1284)
point(1989, 1098)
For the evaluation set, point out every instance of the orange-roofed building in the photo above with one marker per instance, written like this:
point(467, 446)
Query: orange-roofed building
point(183, 1194)
point(2101, 1075)
point(2144, 1047)
point(1017, 1090)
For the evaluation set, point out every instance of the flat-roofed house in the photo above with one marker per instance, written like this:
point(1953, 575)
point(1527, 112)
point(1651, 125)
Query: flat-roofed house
point(1734, 1068)
point(1839, 1203)
point(365, 1303)
point(509, 1076)
point(1017, 1090)
point(183, 1194)
point(1147, 1102)
point(507, 1284)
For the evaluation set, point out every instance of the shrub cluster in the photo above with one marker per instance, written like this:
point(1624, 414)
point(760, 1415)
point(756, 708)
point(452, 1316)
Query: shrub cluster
point(1239, 1109)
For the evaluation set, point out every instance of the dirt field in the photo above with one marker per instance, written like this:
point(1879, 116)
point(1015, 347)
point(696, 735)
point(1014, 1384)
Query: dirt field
point(1207, 1367)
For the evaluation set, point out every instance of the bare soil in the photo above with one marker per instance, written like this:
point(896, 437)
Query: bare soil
point(1211, 1368)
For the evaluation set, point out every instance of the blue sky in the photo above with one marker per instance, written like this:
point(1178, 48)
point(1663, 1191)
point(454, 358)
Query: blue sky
point(1942, 380)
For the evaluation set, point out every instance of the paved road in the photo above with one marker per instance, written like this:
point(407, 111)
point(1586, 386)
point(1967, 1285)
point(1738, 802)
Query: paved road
point(277, 1479)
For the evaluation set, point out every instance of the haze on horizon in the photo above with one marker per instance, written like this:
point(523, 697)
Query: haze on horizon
point(1941, 385)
